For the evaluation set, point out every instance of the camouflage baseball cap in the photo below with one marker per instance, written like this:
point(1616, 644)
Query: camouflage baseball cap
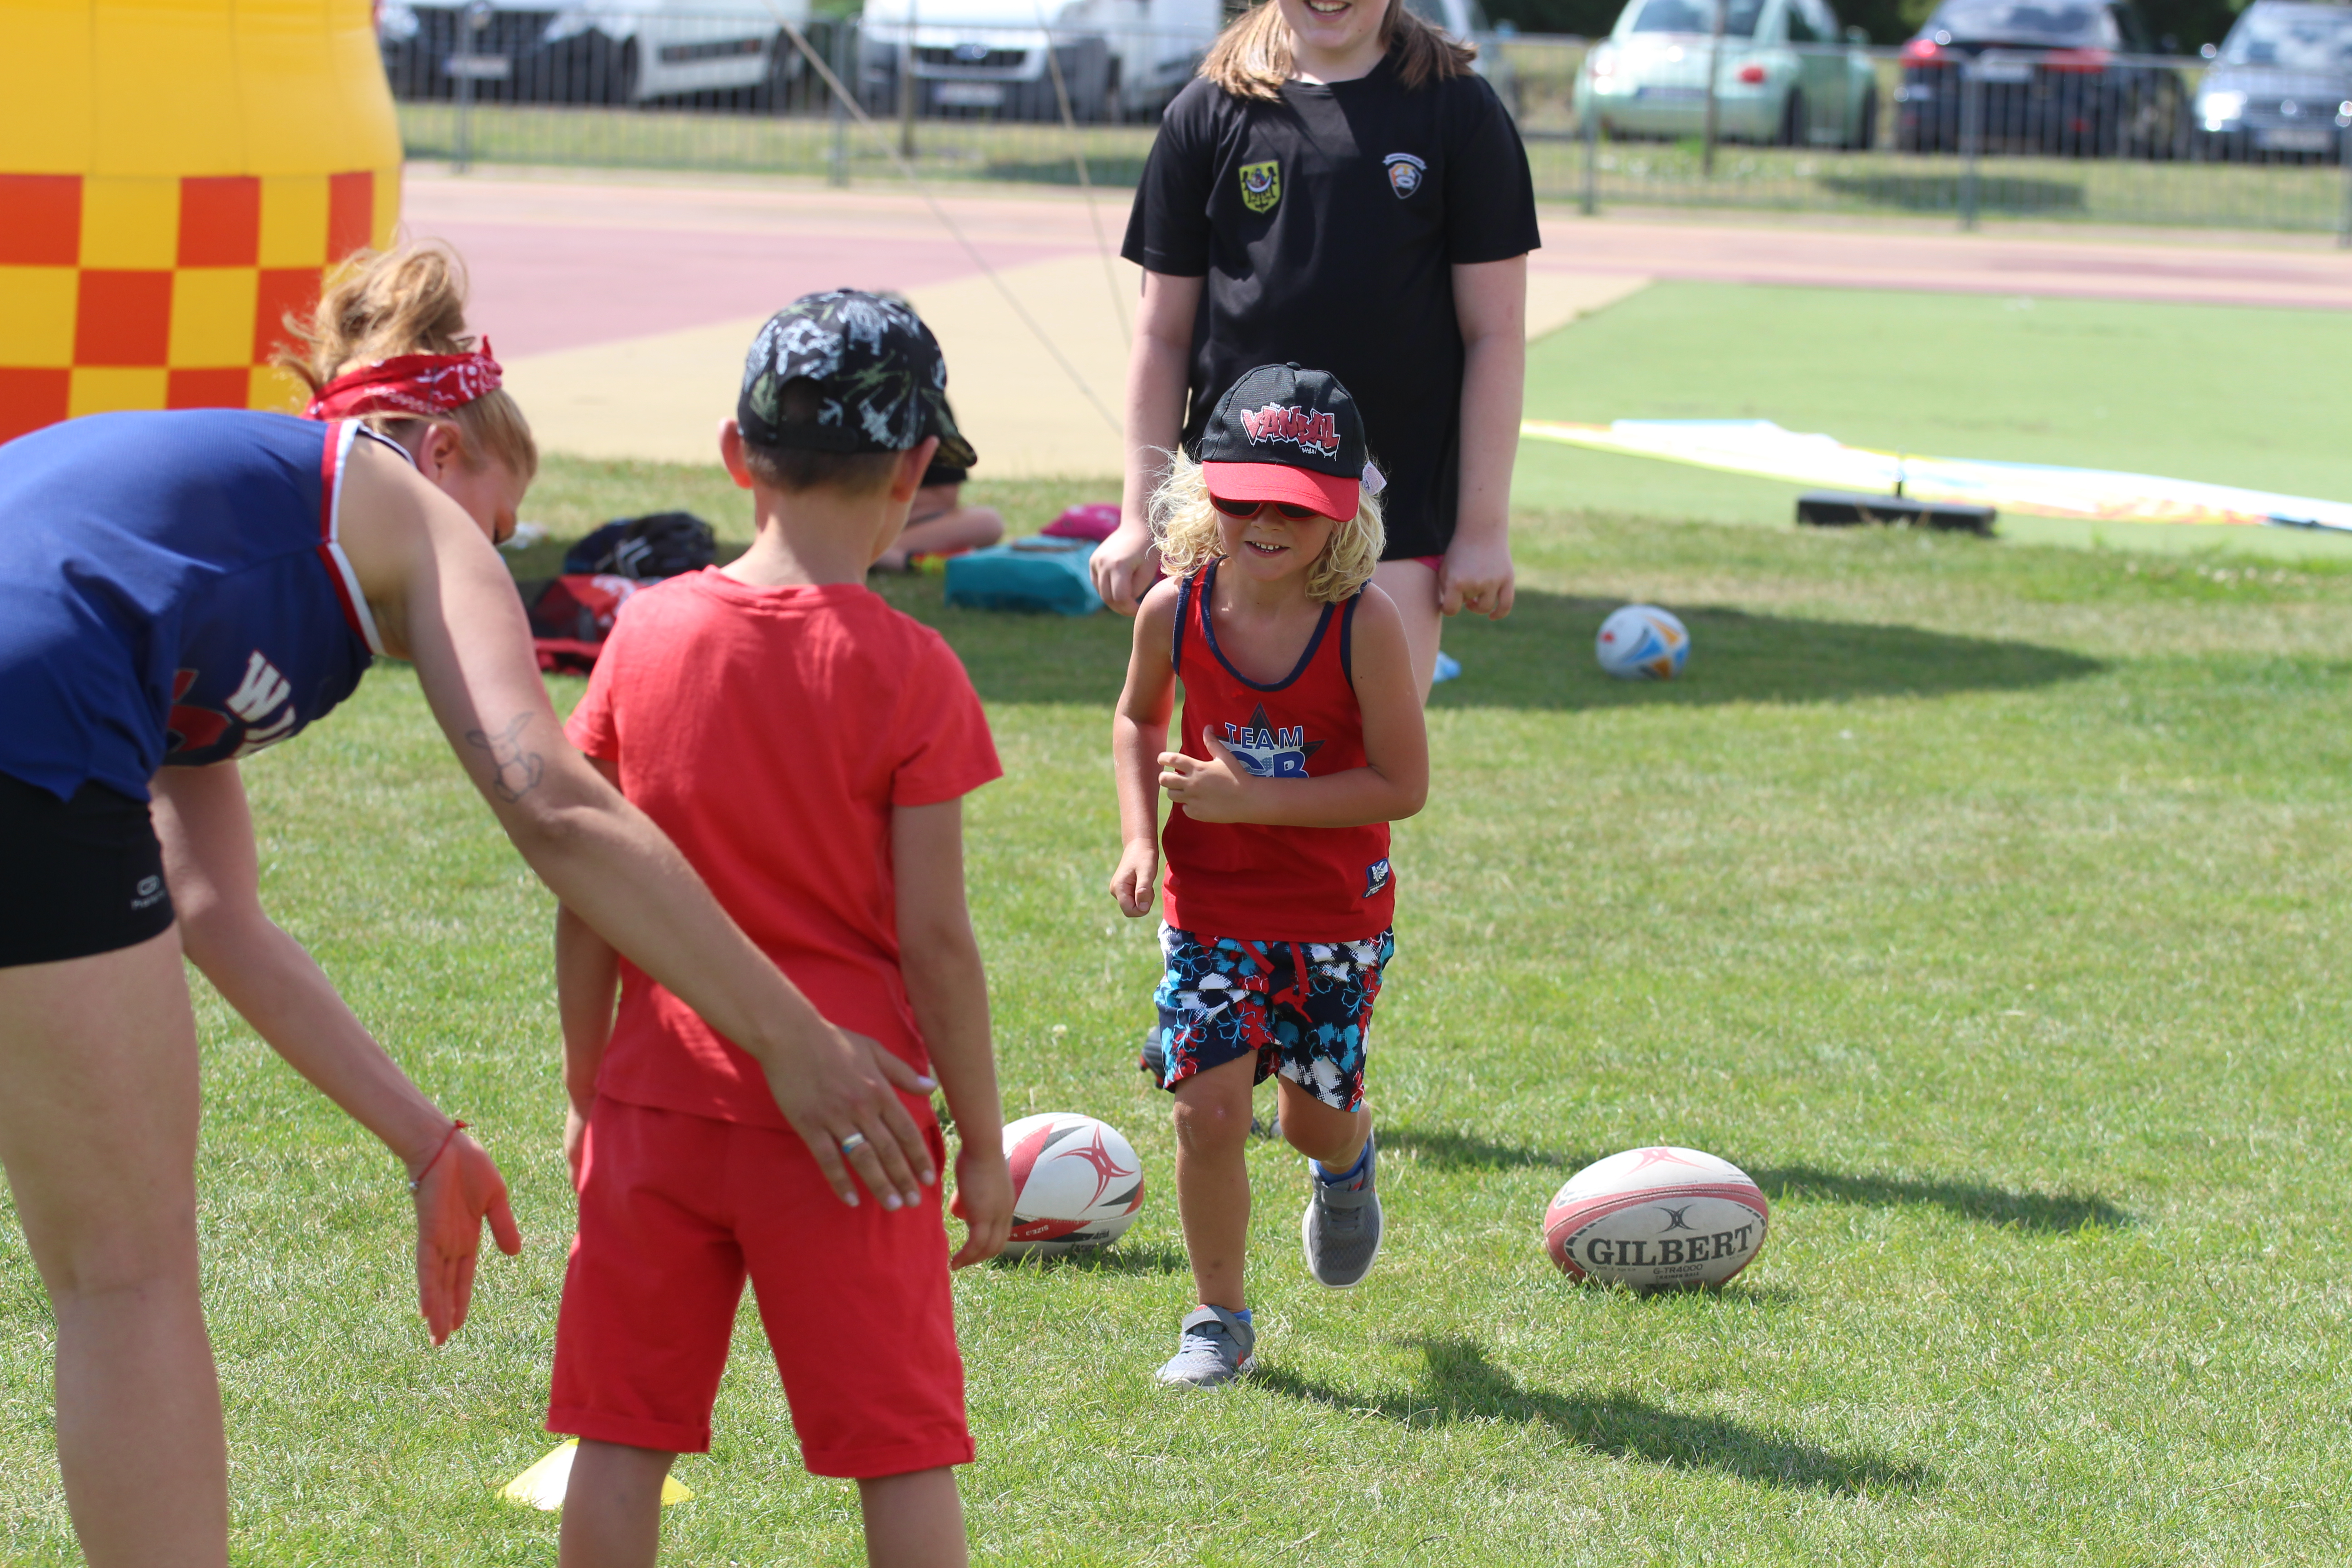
point(882, 382)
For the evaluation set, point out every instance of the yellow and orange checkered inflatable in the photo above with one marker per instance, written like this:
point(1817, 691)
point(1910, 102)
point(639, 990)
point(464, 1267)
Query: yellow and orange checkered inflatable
point(175, 176)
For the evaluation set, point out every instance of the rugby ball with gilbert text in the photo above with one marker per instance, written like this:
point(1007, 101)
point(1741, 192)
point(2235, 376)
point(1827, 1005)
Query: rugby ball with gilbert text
point(1657, 1219)
point(1076, 1185)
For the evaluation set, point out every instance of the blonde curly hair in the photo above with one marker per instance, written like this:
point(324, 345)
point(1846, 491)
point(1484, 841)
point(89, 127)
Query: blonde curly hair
point(1184, 522)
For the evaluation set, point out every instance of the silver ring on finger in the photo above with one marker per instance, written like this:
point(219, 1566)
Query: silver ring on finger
point(852, 1143)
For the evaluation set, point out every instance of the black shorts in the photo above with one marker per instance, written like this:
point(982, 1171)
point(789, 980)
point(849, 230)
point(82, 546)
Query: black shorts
point(77, 877)
point(1413, 538)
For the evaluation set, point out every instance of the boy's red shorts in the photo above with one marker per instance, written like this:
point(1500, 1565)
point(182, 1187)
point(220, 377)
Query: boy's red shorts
point(674, 1209)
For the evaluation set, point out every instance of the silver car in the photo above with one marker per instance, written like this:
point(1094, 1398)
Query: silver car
point(2281, 84)
point(1787, 74)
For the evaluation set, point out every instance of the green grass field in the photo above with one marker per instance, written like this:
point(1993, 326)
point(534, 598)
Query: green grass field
point(2228, 395)
point(1982, 899)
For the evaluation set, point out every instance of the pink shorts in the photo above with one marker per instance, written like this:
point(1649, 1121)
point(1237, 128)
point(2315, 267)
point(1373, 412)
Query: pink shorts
point(675, 1211)
point(1434, 563)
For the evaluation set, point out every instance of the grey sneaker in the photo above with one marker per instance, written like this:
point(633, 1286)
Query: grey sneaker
point(1215, 1348)
point(1341, 1229)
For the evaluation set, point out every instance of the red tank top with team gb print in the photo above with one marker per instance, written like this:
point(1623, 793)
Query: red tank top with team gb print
point(1248, 879)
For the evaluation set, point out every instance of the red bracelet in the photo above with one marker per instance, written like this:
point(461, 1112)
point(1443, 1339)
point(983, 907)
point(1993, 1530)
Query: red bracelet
point(417, 1180)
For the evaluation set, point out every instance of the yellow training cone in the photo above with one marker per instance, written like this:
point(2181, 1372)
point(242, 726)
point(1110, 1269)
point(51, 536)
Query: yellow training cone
point(543, 1485)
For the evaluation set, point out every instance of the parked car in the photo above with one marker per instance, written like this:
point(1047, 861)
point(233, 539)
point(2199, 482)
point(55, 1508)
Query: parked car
point(2070, 79)
point(1119, 60)
point(588, 51)
point(1787, 74)
point(2281, 83)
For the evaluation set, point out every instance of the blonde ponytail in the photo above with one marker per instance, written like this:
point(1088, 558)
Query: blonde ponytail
point(409, 300)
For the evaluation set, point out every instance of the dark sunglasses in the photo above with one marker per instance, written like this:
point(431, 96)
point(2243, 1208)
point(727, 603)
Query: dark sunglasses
point(1246, 509)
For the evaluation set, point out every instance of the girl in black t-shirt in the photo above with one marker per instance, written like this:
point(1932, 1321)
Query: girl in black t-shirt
point(1338, 189)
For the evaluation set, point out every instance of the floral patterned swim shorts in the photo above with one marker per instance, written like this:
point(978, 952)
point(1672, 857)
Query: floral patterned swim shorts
point(1304, 1009)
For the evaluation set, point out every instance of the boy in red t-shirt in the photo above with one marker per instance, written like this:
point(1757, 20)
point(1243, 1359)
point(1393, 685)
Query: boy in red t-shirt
point(807, 748)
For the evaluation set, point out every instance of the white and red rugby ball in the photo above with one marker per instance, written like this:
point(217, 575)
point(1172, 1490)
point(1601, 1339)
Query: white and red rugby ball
point(1657, 1219)
point(1076, 1185)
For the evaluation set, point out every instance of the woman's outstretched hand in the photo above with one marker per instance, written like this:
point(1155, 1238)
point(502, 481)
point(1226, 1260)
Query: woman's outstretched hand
point(459, 1189)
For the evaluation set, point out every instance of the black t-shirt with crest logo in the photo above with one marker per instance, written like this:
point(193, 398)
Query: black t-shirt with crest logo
point(1326, 225)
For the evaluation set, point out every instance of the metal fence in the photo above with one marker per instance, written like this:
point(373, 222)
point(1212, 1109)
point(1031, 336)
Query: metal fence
point(735, 92)
point(2051, 134)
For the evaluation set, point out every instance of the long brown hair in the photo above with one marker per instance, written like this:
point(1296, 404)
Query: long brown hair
point(1252, 57)
point(410, 301)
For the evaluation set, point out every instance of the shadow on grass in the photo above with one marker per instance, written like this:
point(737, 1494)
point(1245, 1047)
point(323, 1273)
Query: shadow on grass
point(2053, 1212)
point(1153, 1257)
point(1941, 193)
point(1541, 656)
point(1461, 1384)
point(1441, 1149)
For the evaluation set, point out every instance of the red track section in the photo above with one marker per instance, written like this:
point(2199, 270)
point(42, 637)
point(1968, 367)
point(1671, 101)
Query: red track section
point(563, 264)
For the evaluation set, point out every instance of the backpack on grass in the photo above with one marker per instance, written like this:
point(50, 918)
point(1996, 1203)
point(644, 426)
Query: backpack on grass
point(645, 549)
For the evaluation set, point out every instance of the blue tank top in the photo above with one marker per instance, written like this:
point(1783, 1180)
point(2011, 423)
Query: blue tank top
point(175, 593)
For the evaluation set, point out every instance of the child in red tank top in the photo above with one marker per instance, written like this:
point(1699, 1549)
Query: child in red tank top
point(1301, 740)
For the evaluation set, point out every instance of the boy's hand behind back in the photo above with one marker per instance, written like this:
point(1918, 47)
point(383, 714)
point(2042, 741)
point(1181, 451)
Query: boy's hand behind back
point(983, 1201)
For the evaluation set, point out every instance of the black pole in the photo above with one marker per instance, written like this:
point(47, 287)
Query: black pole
point(1714, 70)
point(1971, 134)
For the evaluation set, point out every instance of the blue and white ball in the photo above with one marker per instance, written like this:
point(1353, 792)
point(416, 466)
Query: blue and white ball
point(1642, 642)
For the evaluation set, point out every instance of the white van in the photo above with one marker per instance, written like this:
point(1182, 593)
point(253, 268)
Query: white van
point(588, 51)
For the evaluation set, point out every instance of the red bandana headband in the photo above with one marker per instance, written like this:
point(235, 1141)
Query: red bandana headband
point(408, 384)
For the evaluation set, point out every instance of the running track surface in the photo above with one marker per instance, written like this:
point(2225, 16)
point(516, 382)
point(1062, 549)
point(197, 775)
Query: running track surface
point(563, 264)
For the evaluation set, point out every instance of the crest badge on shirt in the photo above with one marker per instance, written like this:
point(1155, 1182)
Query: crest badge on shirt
point(1404, 174)
point(1261, 185)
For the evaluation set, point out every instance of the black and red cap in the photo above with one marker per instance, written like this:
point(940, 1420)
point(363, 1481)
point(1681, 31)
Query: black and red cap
point(1283, 433)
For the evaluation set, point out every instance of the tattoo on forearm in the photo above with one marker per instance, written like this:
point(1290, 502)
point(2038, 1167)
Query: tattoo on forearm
point(519, 771)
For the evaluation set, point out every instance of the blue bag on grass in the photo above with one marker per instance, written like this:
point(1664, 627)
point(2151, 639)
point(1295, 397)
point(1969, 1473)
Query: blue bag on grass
point(1034, 574)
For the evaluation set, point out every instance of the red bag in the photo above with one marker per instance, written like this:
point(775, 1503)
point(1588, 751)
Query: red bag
point(1097, 522)
point(572, 616)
